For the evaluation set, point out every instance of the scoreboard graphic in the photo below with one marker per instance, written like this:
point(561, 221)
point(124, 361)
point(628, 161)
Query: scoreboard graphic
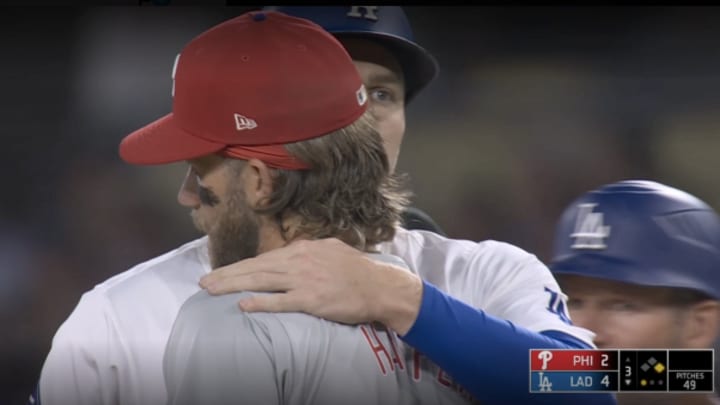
point(662, 370)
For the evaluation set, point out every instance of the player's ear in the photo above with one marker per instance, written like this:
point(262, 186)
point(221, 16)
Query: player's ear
point(258, 182)
point(702, 324)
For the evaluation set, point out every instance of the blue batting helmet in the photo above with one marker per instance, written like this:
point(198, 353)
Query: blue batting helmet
point(640, 232)
point(386, 25)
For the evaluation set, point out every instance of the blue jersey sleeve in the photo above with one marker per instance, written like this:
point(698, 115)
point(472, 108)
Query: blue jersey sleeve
point(487, 356)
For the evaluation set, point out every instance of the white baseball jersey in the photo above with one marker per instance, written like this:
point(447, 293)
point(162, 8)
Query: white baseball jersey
point(110, 350)
point(219, 355)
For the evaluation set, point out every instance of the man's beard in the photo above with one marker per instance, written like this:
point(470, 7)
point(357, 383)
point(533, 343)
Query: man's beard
point(236, 235)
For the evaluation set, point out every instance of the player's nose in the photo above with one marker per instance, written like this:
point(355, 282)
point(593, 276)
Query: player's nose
point(187, 195)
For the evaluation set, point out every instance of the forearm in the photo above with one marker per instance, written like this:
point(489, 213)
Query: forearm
point(485, 355)
point(398, 296)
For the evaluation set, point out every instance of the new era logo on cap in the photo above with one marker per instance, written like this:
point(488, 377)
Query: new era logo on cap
point(242, 122)
point(589, 229)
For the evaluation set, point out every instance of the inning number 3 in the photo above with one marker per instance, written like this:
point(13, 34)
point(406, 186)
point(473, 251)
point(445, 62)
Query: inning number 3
point(557, 306)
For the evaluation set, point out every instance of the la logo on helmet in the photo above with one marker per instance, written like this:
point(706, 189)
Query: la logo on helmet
point(589, 229)
point(370, 12)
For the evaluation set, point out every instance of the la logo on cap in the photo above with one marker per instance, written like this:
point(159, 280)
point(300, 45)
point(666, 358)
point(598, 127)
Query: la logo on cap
point(590, 233)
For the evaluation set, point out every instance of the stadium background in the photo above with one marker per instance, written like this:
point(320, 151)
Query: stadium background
point(533, 106)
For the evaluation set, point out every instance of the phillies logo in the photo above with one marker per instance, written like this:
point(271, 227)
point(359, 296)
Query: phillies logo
point(545, 356)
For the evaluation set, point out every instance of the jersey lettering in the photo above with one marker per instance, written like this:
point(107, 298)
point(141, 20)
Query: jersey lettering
point(395, 352)
point(443, 378)
point(377, 347)
point(416, 365)
point(557, 306)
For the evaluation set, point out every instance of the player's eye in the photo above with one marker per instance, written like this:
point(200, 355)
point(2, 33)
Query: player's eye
point(623, 306)
point(382, 95)
point(574, 303)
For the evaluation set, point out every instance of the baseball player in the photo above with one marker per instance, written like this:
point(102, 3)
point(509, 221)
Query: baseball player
point(392, 65)
point(640, 262)
point(497, 295)
point(219, 355)
point(326, 280)
point(339, 186)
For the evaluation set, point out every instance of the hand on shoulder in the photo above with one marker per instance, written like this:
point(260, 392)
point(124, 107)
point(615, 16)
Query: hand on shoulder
point(325, 278)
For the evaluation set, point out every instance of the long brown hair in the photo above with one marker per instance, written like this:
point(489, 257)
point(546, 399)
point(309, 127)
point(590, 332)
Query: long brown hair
point(348, 192)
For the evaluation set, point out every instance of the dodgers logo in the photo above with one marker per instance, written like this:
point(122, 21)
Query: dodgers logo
point(370, 12)
point(544, 383)
point(590, 233)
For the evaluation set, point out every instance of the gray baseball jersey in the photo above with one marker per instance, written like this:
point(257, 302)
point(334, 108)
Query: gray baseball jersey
point(219, 355)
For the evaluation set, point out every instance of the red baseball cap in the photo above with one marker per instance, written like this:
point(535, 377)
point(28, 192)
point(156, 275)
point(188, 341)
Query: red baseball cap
point(249, 85)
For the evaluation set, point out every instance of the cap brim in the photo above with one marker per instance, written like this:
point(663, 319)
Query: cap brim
point(162, 141)
point(418, 65)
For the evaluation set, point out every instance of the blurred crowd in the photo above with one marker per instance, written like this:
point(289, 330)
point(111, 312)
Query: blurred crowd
point(533, 106)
